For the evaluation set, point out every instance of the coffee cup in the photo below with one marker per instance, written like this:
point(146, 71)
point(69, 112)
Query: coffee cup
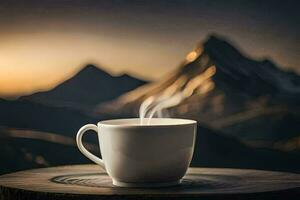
point(134, 155)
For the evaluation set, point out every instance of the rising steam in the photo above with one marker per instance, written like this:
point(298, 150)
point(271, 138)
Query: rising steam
point(176, 93)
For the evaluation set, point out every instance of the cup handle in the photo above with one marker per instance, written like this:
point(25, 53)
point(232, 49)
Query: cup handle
point(83, 150)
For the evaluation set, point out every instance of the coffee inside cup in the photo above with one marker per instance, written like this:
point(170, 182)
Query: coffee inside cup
point(154, 122)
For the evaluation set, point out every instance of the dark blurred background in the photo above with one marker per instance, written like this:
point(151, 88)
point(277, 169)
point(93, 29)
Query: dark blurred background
point(70, 62)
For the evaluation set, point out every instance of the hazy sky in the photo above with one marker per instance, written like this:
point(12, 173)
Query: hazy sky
point(43, 42)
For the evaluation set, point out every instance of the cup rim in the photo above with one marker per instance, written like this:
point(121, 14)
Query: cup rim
point(181, 122)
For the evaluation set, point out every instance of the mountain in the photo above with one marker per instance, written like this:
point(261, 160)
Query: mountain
point(89, 87)
point(65, 108)
point(226, 91)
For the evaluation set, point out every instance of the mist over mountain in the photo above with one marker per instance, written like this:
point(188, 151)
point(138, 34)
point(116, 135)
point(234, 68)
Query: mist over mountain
point(89, 87)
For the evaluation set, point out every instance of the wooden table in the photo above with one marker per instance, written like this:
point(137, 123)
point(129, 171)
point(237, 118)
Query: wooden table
point(91, 182)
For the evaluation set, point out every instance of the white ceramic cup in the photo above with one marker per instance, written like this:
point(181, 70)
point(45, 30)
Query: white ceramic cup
point(137, 155)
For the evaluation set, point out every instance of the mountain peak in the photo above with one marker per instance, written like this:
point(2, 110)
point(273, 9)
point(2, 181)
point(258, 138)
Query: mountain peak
point(216, 40)
point(218, 46)
point(215, 37)
point(91, 69)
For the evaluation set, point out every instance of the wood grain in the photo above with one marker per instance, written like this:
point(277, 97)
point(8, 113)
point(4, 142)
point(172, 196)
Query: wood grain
point(91, 182)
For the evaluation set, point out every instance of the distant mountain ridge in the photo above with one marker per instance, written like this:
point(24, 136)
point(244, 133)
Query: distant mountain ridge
point(89, 87)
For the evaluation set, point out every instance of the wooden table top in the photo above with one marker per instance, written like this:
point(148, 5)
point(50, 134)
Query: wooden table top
point(91, 182)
